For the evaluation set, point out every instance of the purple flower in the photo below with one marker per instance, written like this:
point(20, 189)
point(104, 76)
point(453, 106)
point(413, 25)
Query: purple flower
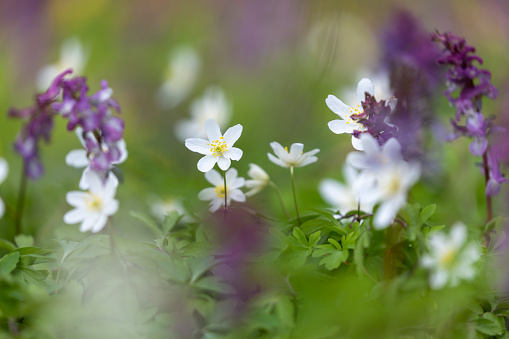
point(496, 178)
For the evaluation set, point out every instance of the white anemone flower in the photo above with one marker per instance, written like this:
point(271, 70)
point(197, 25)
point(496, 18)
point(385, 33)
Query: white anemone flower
point(212, 105)
point(160, 208)
point(218, 149)
point(216, 194)
point(180, 77)
point(4, 171)
point(392, 185)
point(259, 179)
point(352, 194)
point(93, 208)
point(72, 55)
point(79, 158)
point(374, 156)
point(450, 260)
point(382, 88)
point(294, 158)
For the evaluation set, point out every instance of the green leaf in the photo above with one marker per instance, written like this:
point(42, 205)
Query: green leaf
point(358, 256)
point(297, 256)
point(297, 233)
point(429, 232)
point(170, 220)
point(147, 221)
point(24, 240)
point(314, 225)
point(334, 259)
point(29, 250)
point(199, 248)
point(323, 250)
point(335, 243)
point(314, 239)
point(285, 310)
point(280, 237)
point(490, 324)
point(8, 263)
point(427, 212)
point(212, 283)
point(68, 247)
point(5, 244)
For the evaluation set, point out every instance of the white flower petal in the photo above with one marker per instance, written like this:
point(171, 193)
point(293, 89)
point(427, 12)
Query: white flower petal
point(237, 195)
point(357, 144)
point(198, 145)
point(256, 172)
point(280, 151)
point(231, 175)
point(237, 183)
point(216, 204)
point(123, 151)
point(208, 193)
point(392, 149)
point(232, 135)
point(77, 158)
point(331, 190)
point(2, 208)
point(296, 151)
point(277, 161)
point(99, 223)
point(341, 126)
point(110, 208)
point(307, 161)
point(76, 198)
point(206, 163)
point(4, 169)
point(84, 183)
point(89, 221)
point(212, 129)
point(233, 153)
point(223, 163)
point(369, 144)
point(338, 107)
point(214, 177)
point(75, 216)
point(385, 214)
point(365, 85)
point(438, 279)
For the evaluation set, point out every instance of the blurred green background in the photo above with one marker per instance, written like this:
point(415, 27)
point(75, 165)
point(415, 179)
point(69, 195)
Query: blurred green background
point(276, 60)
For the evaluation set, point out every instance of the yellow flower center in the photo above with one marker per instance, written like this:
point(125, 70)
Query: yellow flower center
point(93, 202)
point(448, 259)
point(218, 147)
point(220, 191)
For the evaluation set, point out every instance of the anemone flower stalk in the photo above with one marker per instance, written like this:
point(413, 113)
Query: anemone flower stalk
point(294, 196)
point(21, 201)
point(225, 194)
point(278, 193)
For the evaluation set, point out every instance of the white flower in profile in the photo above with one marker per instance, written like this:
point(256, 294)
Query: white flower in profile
point(216, 194)
point(374, 156)
point(450, 260)
point(180, 76)
point(72, 55)
point(93, 208)
point(79, 158)
point(4, 171)
point(212, 105)
point(294, 158)
point(218, 149)
point(352, 194)
point(392, 184)
point(259, 179)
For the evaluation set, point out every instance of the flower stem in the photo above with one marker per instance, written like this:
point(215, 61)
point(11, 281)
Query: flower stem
point(21, 202)
point(489, 208)
point(225, 194)
point(273, 185)
point(294, 196)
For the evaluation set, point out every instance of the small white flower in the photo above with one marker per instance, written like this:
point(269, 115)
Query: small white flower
point(79, 158)
point(161, 208)
point(450, 260)
point(374, 157)
point(92, 208)
point(180, 78)
point(4, 171)
point(347, 197)
point(259, 180)
point(72, 56)
point(212, 105)
point(293, 158)
point(218, 149)
point(216, 194)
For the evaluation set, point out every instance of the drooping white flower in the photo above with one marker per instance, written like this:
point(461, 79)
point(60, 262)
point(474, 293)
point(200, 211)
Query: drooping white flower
point(216, 194)
point(4, 171)
point(93, 208)
point(180, 76)
point(72, 55)
point(218, 149)
point(259, 179)
point(393, 182)
point(349, 196)
point(79, 158)
point(295, 157)
point(212, 105)
point(450, 260)
point(375, 156)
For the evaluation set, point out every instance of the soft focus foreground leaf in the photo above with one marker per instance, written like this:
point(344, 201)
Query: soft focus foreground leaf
point(490, 324)
point(8, 263)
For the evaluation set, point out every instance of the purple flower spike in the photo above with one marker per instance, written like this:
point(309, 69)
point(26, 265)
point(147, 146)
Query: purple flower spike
point(496, 178)
point(53, 90)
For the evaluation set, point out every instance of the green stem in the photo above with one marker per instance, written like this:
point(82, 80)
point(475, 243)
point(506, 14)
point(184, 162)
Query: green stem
point(273, 185)
point(294, 195)
point(225, 193)
point(21, 202)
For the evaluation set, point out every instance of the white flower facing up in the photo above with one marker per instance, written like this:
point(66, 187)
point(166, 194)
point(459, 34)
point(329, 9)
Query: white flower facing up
point(79, 158)
point(259, 179)
point(4, 171)
point(218, 149)
point(72, 55)
point(450, 260)
point(294, 158)
point(216, 194)
point(180, 78)
point(212, 105)
point(349, 196)
point(93, 208)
